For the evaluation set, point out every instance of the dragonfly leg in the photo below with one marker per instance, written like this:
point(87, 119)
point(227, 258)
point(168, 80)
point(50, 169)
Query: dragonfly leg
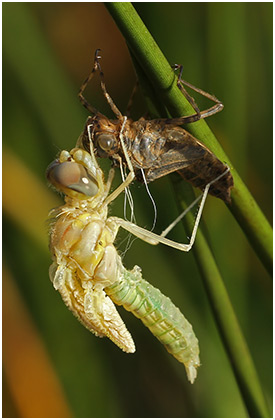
point(155, 239)
point(201, 196)
point(83, 100)
point(199, 114)
point(131, 99)
point(85, 103)
point(131, 175)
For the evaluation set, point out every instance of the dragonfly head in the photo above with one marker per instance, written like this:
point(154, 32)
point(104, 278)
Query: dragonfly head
point(71, 177)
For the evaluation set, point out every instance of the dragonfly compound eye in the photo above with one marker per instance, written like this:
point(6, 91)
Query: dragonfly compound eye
point(71, 178)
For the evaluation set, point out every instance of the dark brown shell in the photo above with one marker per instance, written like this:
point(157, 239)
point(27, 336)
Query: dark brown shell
point(160, 149)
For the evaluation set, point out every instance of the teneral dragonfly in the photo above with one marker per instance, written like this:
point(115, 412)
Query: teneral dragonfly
point(89, 273)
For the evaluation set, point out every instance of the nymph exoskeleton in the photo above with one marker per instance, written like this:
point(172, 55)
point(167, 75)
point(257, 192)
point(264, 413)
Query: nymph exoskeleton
point(156, 147)
point(88, 272)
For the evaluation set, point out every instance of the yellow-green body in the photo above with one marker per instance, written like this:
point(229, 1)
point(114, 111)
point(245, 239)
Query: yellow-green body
point(90, 276)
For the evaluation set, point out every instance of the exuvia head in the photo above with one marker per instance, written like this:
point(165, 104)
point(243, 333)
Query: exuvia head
point(103, 134)
point(106, 144)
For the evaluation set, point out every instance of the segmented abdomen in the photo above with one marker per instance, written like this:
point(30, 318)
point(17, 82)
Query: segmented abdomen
point(160, 315)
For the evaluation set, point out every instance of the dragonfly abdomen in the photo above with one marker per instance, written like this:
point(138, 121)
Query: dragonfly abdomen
point(160, 315)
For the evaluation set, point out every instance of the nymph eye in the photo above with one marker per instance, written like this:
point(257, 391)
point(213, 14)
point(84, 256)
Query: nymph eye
point(72, 177)
point(106, 141)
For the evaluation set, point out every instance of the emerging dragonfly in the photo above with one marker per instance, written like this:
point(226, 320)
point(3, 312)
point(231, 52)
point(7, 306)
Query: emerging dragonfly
point(156, 147)
point(88, 272)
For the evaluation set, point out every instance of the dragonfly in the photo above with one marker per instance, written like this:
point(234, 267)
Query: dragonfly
point(156, 147)
point(88, 271)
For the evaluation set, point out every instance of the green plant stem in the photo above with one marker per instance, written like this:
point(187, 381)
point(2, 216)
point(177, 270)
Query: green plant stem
point(158, 71)
point(226, 319)
point(161, 76)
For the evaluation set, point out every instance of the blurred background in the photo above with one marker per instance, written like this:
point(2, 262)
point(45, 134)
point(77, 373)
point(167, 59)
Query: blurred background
point(53, 366)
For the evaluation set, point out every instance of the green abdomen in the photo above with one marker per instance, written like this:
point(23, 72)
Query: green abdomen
point(159, 314)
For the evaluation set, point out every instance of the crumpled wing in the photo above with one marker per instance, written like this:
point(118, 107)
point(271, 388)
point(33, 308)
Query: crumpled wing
point(93, 308)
